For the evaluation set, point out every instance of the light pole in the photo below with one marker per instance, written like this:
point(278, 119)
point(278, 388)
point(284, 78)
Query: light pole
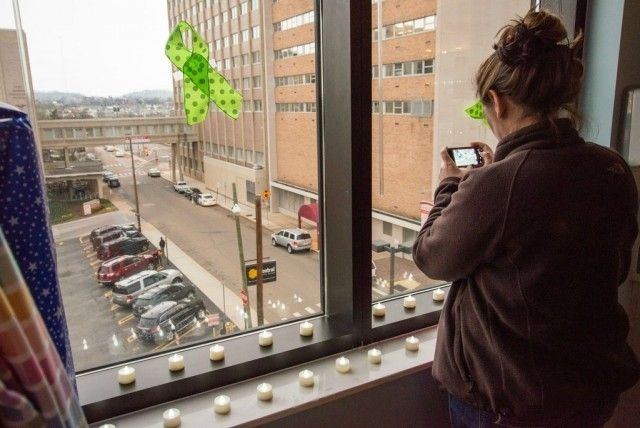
point(380, 245)
point(245, 292)
point(135, 185)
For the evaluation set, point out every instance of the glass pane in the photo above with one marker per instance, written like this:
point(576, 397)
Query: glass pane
point(418, 115)
point(121, 86)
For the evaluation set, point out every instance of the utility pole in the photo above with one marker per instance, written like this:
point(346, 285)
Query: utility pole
point(245, 298)
point(135, 185)
point(259, 296)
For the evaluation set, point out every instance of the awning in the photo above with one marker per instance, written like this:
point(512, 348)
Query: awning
point(309, 211)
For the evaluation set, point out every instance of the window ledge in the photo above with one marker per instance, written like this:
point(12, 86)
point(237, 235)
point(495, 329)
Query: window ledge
point(288, 396)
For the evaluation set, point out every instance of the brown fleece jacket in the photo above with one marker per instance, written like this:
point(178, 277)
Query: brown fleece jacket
point(536, 245)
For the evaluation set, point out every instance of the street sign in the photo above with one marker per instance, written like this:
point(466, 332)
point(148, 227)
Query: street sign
point(245, 298)
point(213, 319)
point(268, 272)
point(266, 194)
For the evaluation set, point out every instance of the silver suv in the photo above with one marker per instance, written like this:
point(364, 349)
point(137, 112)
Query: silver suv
point(293, 239)
point(127, 290)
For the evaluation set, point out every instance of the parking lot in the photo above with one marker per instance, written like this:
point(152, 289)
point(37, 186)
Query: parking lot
point(101, 332)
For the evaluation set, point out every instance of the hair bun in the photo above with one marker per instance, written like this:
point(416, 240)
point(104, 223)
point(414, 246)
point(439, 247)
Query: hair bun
point(527, 39)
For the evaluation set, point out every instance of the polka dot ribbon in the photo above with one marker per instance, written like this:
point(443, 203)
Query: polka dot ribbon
point(201, 82)
point(476, 111)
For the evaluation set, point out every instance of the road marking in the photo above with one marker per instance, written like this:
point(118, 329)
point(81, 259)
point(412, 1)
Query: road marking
point(297, 314)
point(125, 319)
point(108, 295)
point(311, 311)
point(318, 305)
point(382, 293)
point(95, 262)
point(81, 239)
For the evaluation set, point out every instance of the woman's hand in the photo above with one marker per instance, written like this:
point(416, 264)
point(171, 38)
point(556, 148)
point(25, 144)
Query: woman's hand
point(448, 167)
point(485, 151)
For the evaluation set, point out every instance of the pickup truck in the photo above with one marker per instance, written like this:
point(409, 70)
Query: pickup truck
point(180, 186)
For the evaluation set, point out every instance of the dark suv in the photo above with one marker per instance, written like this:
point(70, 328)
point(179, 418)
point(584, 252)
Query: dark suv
point(162, 322)
point(110, 228)
point(162, 293)
point(123, 266)
point(123, 245)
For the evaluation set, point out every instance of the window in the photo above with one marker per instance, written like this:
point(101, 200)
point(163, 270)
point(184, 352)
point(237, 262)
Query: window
point(349, 122)
point(255, 32)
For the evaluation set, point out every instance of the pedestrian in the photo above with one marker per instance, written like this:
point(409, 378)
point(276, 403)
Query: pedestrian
point(536, 242)
point(162, 245)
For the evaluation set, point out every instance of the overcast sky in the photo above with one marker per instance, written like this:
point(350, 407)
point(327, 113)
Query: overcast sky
point(94, 47)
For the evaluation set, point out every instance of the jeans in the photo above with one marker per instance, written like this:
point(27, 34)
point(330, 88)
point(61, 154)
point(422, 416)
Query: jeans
point(463, 415)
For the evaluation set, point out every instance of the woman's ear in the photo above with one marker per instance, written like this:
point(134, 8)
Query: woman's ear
point(498, 104)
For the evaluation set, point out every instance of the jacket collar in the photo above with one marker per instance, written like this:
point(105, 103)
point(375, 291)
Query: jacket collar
point(541, 135)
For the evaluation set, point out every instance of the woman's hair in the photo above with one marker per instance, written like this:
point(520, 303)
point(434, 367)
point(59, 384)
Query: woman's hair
point(536, 65)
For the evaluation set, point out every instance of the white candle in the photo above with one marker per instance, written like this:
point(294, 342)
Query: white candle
point(171, 418)
point(264, 391)
point(342, 365)
point(378, 310)
point(107, 426)
point(216, 353)
point(126, 375)
point(176, 362)
point(222, 404)
point(412, 343)
point(265, 338)
point(438, 295)
point(306, 329)
point(374, 356)
point(409, 302)
point(305, 377)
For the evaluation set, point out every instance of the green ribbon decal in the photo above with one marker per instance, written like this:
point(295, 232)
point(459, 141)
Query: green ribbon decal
point(476, 111)
point(201, 82)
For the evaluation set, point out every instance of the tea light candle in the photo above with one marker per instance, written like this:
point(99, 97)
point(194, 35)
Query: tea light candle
point(126, 375)
point(216, 353)
point(264, 391)
point(176, 363)
point(107, 426)
point(306, 329)
point(305, 378)
point(265, 338)
point(409, 302)
point(342, 365)
point(374, 356)
point(412, 343)
point(171, 418)
point(438, 295)
point(222, 404)
point(378, 310)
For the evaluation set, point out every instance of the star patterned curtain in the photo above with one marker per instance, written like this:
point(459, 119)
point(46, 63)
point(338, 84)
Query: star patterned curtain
point(24, 218)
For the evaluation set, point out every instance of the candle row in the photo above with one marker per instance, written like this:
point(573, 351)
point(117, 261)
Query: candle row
point(264, 391)
point(409, 302)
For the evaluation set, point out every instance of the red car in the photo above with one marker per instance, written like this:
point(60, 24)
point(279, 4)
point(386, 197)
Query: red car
point(120, 267)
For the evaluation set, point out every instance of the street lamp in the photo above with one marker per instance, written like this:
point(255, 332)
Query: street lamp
point(380, 245)
point(235, 210)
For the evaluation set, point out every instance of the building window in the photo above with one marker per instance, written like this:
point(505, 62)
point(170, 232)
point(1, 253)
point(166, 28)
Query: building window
point(387, 228)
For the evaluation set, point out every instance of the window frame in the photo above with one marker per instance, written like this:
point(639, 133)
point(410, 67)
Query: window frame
point(345, 166)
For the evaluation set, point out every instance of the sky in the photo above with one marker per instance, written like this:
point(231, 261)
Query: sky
point(94, 47)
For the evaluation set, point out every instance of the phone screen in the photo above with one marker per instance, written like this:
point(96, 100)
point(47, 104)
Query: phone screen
point(465, 156)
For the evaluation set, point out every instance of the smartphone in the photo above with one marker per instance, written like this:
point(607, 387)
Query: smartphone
point(466, 156)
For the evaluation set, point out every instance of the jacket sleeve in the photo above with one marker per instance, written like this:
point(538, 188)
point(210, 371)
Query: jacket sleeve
point(465, 225)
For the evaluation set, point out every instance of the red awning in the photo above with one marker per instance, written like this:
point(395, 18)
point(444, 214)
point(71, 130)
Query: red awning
point(309, 211)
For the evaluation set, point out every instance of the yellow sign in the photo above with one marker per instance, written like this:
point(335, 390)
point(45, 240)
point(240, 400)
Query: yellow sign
point(252, 274)
point(266, 194)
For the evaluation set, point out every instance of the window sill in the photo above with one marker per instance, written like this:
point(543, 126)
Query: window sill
point(288, 396)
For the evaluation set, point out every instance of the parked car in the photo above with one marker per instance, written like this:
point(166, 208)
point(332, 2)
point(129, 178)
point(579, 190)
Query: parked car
point(110, 228)
point(108, 175)
point(153, 172)
point(191, 192)
point(110, 148)
point(292, 239)
point(119, 153)
point(123, 266)
point(206, 200)
point(123, 245)
point(180, 186)
point(104, 238)
point(113, 182)
point(162, 322)
point(128, 289)
point(162, 293)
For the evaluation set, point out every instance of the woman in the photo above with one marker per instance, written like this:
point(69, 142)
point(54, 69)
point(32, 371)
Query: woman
point(536, 242)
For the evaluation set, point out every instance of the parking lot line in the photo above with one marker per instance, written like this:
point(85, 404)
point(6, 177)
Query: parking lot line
point(310, 310)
